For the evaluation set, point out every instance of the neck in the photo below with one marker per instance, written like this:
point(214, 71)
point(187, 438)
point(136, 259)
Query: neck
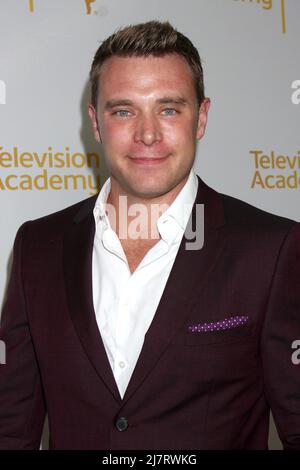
point(128, 218)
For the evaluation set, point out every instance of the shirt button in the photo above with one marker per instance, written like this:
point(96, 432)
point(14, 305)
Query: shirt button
point(122, 364)
point(122, 424)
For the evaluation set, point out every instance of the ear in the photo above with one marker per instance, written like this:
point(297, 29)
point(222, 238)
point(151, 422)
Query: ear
point(93, 118)
point(202, 118)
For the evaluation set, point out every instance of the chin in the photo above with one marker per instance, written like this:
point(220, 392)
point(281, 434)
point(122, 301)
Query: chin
point(150, 191)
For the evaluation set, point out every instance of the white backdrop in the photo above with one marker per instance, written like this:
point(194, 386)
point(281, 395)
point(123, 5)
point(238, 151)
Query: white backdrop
point(48, 158)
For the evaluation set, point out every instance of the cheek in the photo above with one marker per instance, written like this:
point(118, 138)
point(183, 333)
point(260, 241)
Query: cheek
point(180, 135)
point(116, 135)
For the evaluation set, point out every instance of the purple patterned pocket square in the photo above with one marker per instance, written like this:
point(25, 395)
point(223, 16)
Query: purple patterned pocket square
point(226, 324)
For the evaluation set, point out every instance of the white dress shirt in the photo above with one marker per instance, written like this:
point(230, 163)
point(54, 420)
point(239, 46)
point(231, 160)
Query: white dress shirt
point(125, 302)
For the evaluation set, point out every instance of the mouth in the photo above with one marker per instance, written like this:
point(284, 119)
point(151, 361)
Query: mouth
point(148, 160)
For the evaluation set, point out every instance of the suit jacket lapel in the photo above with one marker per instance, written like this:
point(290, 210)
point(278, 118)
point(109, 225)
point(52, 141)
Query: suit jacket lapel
point(189, 272)
point(77, 261)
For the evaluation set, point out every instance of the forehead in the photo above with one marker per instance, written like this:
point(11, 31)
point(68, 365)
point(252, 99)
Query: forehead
point(146, 75)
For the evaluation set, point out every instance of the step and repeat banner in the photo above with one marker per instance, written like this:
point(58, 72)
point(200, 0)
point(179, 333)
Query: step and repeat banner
point(48, 156)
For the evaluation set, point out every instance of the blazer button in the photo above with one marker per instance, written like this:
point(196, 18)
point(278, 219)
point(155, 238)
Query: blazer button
point(122, 424)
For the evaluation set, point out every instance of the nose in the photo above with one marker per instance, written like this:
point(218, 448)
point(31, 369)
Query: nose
point(148, 130)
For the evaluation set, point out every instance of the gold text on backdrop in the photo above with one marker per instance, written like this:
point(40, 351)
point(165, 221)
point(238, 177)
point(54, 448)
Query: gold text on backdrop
point(268, 5)
point(88, 3)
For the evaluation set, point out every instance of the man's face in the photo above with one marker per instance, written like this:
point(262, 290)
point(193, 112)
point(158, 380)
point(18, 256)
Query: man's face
point(148, 121)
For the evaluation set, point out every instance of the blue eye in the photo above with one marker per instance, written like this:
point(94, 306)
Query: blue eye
point(122, 113)
point(169, 111)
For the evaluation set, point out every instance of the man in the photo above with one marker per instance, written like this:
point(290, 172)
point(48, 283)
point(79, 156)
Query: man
point(136, 342)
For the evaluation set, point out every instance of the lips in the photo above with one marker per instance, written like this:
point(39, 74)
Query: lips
point(148, 160)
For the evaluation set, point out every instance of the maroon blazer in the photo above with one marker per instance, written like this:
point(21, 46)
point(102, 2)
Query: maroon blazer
point(196, 385)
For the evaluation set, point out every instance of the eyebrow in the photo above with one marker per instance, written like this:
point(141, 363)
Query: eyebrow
point(165, 100)
point(113, 103)
point(172, 99)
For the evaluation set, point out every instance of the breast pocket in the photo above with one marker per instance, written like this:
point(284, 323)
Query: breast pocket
point(221, 336)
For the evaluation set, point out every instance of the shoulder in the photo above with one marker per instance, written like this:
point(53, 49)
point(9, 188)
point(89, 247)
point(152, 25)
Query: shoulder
point(55, 224)
point(242, 213)
point(245, 224)
point(255, 227)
